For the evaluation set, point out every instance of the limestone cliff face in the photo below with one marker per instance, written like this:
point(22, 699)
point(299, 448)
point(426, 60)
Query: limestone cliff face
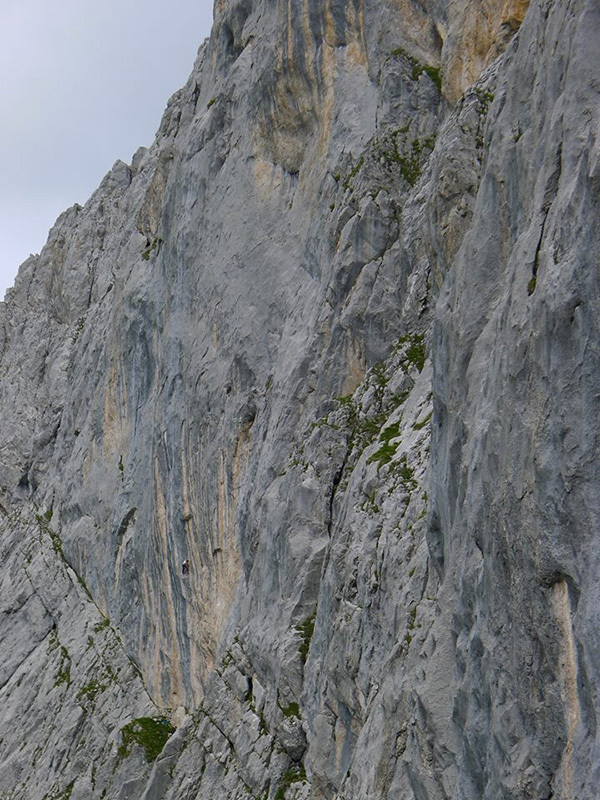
point(332, 339)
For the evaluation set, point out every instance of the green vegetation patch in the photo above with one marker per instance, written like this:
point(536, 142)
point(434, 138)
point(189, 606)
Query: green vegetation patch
point(406, 475)
point(485, 100)
point(90, 690)
point(408, 157)
point(418, 68)
point(380, 380)
point(420, 425)
point(292, 711)
point(63, 675)
point(414, 350)
point(364, 431)
point(263, 728)
point(370, 506)
point(150, 733)
point(64, 671)
point(353, 173)
point(150, 247)
point(412, 615)
point(306, 630)
point(411, 625)
point(387, 450)
point(101, 625)
point(56, 542)
point(295, 774)
point(64, 795)
point(435, 74)
point(43, 521)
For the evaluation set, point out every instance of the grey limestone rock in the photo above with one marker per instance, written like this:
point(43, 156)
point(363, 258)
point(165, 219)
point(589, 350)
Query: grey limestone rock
point(332, 339)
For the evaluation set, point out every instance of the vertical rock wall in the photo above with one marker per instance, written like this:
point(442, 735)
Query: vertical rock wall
point(332, 340)
point(514, 466)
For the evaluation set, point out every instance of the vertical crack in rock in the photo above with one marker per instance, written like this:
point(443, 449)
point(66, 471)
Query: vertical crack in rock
point(569, 679)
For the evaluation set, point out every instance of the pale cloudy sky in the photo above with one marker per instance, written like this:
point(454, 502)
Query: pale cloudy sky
point(82, 83)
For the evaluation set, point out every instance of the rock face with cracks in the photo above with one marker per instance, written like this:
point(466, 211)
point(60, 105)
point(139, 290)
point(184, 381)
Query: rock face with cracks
point(332, 339)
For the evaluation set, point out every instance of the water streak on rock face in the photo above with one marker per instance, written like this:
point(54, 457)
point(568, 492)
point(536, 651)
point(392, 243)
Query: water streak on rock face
point(299, 439)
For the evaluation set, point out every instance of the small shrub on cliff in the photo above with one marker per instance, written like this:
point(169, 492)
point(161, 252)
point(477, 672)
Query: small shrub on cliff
point(387, 450)
point(292, 711)
point(433, 73)
point(306, 630)
point(150, 733)
point(293, 775)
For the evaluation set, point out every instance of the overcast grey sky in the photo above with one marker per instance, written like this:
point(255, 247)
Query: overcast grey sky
point(82, 84)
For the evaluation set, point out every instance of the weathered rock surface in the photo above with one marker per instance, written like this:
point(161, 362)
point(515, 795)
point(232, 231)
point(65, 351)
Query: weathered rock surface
point(332, 339)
